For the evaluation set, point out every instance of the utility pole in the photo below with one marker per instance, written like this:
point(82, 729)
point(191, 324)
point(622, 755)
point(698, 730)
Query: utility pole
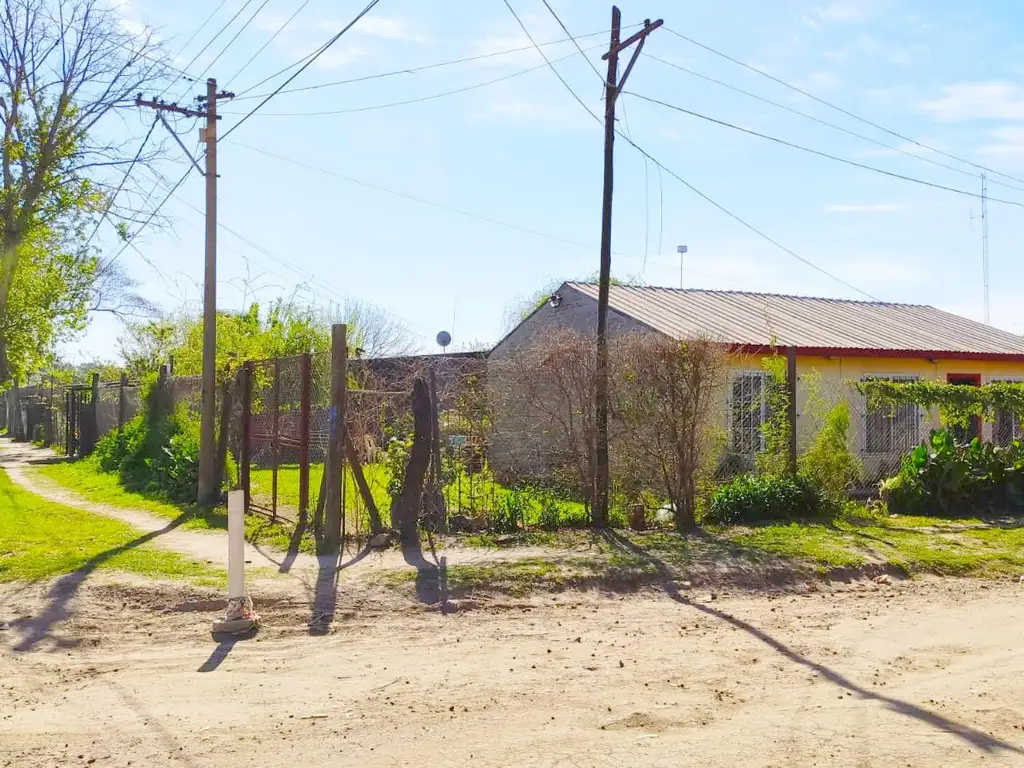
point(613, 86)
point(984, 244)
point(208, 490)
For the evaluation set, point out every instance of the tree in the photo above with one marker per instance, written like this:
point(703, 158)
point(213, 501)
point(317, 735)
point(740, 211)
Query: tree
point(373, 332)
point(65, 68)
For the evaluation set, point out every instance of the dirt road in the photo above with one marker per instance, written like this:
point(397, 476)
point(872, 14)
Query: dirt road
point(921, 674)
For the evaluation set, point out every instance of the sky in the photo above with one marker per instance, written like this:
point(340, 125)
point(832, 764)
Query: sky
point(445, 210)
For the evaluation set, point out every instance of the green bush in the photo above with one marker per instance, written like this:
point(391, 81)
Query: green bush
point(949, 479)
point(829, 463)
point(757, 498)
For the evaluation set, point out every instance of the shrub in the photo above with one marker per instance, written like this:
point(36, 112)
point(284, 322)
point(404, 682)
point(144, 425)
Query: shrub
point(944, 478)
point(508, 516)
point(756, 498)
point(829, 462)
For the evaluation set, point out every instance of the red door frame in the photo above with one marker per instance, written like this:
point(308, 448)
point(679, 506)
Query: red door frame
point(973, 380)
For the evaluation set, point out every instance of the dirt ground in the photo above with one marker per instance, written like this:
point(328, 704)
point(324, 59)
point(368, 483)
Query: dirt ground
point(920, 673)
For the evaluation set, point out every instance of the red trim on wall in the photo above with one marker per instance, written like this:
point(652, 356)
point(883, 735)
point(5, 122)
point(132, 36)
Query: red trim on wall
point(765, 349)
point(964, 378)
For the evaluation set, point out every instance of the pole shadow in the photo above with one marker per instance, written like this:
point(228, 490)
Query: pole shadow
point(325, 594)
point(225, 643)
point(37, 628)
point(979, 739)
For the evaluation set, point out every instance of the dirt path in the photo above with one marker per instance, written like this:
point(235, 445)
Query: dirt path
point(917, 674)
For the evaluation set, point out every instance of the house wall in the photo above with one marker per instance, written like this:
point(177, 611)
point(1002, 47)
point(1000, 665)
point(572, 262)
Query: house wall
point(834, 376)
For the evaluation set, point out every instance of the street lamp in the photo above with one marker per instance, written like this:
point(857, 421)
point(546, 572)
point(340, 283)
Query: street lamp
point(681, 250)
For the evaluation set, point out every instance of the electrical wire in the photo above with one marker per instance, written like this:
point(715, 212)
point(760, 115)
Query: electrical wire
point(846, 112)
point(694, 189)
point(241, 29)
point(124, 180)
point(410, 70)
point(548, 62)
point(417, 100)
point(826, 123)
point(574, 41)
point(219, 33)
point(152, 215)
point(310, 59)
point(825, 155)
point(271, 39)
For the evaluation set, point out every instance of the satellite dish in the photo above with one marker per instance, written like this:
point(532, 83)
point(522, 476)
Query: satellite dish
point(444, 338)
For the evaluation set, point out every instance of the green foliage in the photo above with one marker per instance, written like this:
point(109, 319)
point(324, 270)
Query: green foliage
point(829, 463)
point(761, 497)
point(283, 330)
point(949, 479)
point(509, 514)
point(157, 451)
point(774, 459)
point(957, 403)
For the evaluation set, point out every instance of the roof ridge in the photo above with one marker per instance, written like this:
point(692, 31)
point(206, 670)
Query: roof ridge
point(668, 289)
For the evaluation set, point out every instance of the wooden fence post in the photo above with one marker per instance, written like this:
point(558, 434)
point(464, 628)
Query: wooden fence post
point(245, 441)
point(69, 424)
point(90, 418)
point(306, 370)
point(121, 404)
point(791, 379)
point(275, 441)
point(226, 407)
point(336, 439)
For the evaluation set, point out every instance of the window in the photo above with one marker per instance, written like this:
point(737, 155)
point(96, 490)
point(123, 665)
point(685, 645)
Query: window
point(1007, 427)
point(892, 430)
point(747, 412)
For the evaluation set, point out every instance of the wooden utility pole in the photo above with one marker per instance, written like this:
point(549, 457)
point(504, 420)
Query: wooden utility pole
point(613, 86)
point(208, 489)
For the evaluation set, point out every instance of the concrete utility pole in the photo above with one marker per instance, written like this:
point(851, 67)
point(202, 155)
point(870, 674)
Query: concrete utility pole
point(208, 490)
point(613, 86)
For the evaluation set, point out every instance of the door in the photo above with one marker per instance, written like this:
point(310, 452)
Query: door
point(964, 434)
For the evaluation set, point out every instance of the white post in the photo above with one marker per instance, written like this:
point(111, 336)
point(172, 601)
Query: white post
point(236, 545)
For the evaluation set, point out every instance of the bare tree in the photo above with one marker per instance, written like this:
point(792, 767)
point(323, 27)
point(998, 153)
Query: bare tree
point(66, 68)
point(376, 332)
point(666, 396)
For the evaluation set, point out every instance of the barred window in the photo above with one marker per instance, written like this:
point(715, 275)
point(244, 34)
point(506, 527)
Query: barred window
point(1006, 427)
point(895, 430)
point(747, 412)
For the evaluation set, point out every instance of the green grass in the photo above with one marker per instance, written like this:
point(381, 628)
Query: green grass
point(41, 540)
point(85, 478)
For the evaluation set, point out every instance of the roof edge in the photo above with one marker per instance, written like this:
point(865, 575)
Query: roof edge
point(937, 354)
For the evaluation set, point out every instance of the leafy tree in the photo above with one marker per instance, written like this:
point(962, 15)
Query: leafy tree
point(65, 67)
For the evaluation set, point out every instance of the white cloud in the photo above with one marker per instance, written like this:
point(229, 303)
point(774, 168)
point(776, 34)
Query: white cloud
point(1006, 144)
point(989, 100)
point(845, 11)
point(864, 208)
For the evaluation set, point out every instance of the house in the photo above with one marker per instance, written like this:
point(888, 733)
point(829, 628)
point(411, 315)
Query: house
point(837, 343)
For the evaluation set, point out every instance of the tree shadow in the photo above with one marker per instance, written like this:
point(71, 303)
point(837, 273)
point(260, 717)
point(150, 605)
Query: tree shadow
point(293, 547)
point(431, 577)
point(36, 628)
point(979, 739)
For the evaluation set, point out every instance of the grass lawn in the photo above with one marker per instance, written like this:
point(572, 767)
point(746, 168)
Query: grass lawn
point(89, 481)
point(40, 540)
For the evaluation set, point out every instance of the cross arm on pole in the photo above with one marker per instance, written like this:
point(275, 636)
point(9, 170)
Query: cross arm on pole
point(649, 27)
point(181, 144)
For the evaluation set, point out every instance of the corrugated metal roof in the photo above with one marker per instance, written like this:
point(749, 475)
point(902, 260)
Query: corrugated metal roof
point(737, 317)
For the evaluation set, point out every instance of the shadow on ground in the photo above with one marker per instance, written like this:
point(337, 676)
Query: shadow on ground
point(979, 739)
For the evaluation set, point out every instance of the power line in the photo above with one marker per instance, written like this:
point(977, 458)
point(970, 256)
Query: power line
point(241, 29)
point(219, 32)
point(152, 215)
point(826, 123)
point(722, 208)
point(411, 70)
point(846, 112)
point(574, 41)
point(124, 180)
point(548, 62)
point(317, 54)
point(826, 155)
point(271, 39)
point(405, 102)
point(201, 27)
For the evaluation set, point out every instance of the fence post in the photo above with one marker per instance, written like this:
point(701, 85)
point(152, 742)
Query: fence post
point(69, 425)
point(50, 428)
point(226, 406)
point(90, 418)
point(245, 443)
point(306, 370)
point(336, 438)
point(121, 404)
point(275, 440)
point(791, 379)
